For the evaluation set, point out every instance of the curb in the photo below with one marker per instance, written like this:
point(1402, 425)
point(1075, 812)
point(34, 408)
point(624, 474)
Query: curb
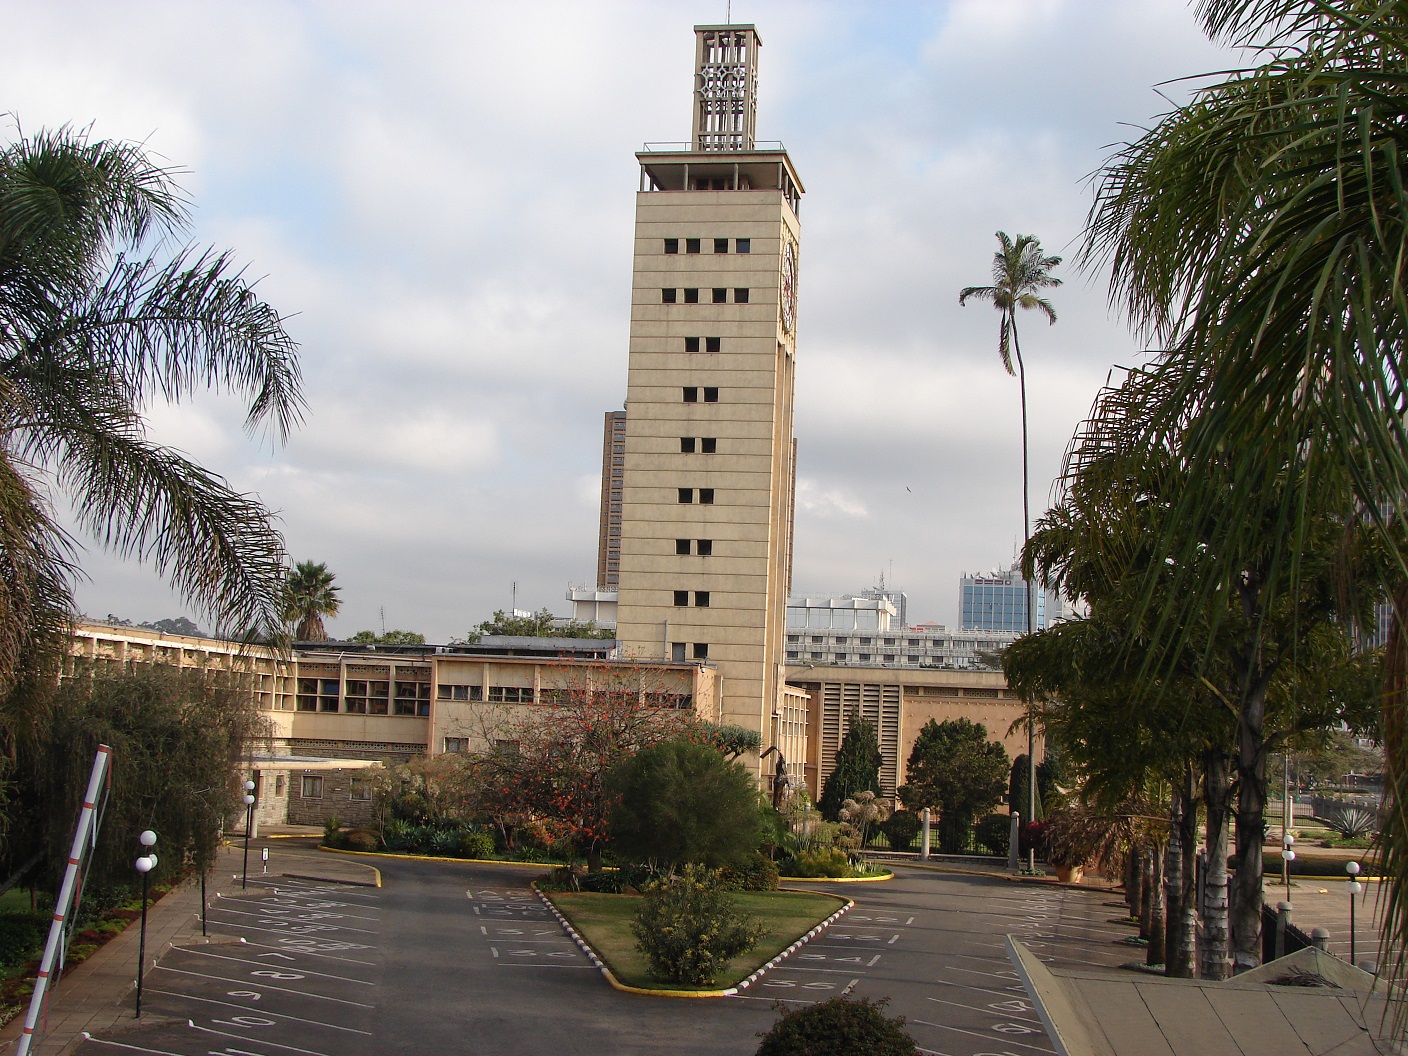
point(435, 858)
point(330, 880)
point(592, 955)
point(834, 879)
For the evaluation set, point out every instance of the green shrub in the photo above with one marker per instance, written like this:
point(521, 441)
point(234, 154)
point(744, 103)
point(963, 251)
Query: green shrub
point(690, 929)
point(21, 938)
point(397, 836)
point(839, 1027)
point(901, 829)
point(475, 845)
point(359, 840)
point(824, 861)
point(757, 872)
point(994, 833)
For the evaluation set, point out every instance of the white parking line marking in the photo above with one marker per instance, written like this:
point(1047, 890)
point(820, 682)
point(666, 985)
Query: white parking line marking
point(980, 1009)
point(130, 1048)
point(263, 986)
point(985, 1037)
point(240, 1037)
point(873, 960)
point(281, 1015)
point(263, 964)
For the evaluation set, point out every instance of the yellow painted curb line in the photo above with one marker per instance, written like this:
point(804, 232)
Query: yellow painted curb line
point(435, 858)
point(834, 879)
point(596, 959)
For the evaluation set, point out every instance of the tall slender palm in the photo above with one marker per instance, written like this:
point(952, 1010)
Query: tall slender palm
point(97, 319)
point(1019, 271)
point(311, 595)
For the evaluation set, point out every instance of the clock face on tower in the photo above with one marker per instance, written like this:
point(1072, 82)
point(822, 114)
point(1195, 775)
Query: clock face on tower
point(789, 287)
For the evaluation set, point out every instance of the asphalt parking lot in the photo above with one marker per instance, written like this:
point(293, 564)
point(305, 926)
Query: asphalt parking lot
point(461, 958)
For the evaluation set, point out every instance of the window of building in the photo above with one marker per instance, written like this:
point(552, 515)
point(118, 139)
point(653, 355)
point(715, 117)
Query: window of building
point(378, 697)
point(704, 547)
point(668, 296)
point(720, 295)
point(691, 245)
point(686, 495)
point(356, 696)
point(687, 445)
point(794, 637)
point(681, 546)
point(792, 654)
point(412, 698)
point(681, 597)
point(510, 747)
point(312, 787)
point(510, 694)
point(672, 245)
point(361, 789)
point(713, 344)
point(817, 639)
point(677, 652)
point(708, 444)
point(913, 658)
point(914, 643)
point(889, 658)
point(445, 692)
point(889, 641)
point(711, 394)
point(840, 658)
point(865, 658)
point(706, 496)
point(865, 641)
point(816, 656)
point(701, 599)
point(456, 744)
point(691, 344)
point(720, 245)
point(701, 650)
point(744, 245)
point(691, 296)
point(691, 394)
point(280, 786)
point(740, 295)
point(327, 694)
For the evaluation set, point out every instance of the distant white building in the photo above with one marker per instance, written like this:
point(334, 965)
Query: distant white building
point(863, 631)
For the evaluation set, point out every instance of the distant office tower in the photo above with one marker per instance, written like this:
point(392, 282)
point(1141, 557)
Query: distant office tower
point(706, 524)
point(613, 474)
point(997, 601)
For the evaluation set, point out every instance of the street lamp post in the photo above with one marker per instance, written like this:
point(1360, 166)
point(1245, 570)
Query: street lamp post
point(1287, 857)
point(248, 824)
point(144, 865)
point(1352, 868)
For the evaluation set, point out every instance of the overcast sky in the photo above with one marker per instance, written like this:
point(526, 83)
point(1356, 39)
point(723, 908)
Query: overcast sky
point(440, 197)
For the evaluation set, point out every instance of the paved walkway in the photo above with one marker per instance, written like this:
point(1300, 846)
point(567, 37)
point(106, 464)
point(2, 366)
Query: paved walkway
point(99, 995)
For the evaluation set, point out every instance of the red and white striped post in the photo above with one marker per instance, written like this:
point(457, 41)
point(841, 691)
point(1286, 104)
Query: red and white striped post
point(87, 829)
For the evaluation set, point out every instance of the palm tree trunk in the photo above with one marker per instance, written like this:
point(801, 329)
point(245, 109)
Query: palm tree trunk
point(1217, 793)
point(1183, 930)
point(1131, 881)
point(1031, 597)
point(1251, 822)
point(1157, 951)
point(1173, 880)
point(1146, 894)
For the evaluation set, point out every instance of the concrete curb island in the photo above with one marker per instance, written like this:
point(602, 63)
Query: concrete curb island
point(758, 973)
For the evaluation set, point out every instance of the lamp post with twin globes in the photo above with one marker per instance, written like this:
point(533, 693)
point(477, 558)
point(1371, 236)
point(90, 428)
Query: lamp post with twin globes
point(248, 824)
point(144, 865)
point(1352, 868)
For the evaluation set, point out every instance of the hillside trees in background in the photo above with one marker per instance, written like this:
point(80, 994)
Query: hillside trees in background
point(540, 624)
point(392, 637)
point(857, 768)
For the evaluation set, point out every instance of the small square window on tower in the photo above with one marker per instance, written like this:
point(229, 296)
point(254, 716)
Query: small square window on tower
point(701, 650)
point(691, 245)
point(686, 495)
point(713, 344)
point(706, 496)
point(691, 296)
point(740, 295)
point(687, 445)
point(720, 295)
point(677, 652)
point(720, 245)
point(744, 245)
point(708, 444)
point(672, 245)
point(681, 597)
point(691, 344)
point(704, 547)
point(711, 394)
point(701, 599)
point(691, 394)
point(668, 296)
point(681, 546)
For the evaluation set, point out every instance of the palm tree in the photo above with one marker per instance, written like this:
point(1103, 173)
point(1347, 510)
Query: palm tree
point(93, 326)
point(310, 596)
point(1019, 270)
point(1259, 232)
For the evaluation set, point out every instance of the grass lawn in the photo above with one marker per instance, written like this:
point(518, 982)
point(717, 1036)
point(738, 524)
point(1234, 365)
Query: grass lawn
point(605, 922)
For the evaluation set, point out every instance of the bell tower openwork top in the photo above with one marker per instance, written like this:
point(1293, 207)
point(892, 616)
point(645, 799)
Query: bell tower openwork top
point(725, 87)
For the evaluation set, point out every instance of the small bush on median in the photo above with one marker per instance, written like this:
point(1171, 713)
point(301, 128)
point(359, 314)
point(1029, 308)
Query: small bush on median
point(360, 840)
point(690, 929)
point(754, 873)
point(822, 862)
point(839, 1027)
point(901, 829)
point(475, 845)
